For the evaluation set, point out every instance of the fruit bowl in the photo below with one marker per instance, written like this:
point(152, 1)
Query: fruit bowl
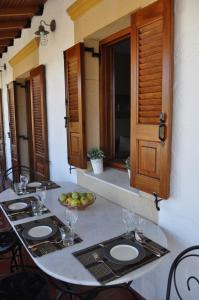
point(78, 200)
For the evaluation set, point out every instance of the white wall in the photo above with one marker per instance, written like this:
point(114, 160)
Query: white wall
point(52, 57)
point(179, 215)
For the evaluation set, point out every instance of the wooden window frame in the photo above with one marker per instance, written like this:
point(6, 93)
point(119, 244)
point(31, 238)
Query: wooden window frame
point(106, 92)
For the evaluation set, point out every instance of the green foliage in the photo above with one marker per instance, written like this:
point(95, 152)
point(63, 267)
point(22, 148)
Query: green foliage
point(127, 162)
point(95, 153)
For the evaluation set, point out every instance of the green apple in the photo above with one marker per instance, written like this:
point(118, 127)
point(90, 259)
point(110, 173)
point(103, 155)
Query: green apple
point(74, 202)
point(69, 195)
point(75, 195)
point(69, 199)
point(62, 197)
point(89, 196)
point(84, 200)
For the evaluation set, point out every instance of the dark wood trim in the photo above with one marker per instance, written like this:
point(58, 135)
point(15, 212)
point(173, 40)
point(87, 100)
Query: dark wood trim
point(106, 95)
point(76, 126)
point(29, 123)
point(40, 159)
point(116, 37)
point(116, 165)
point(14, 140)
point(2, 141)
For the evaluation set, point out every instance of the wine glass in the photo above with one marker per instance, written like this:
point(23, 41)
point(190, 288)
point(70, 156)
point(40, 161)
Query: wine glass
point(41, 191)
point(139, 223)
point(128, 219)
point(71, 216)
point(41, 197)
point(24, 179)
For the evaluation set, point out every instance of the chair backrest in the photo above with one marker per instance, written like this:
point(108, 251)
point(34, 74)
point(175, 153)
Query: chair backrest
point(184, 255)
point(6, 181)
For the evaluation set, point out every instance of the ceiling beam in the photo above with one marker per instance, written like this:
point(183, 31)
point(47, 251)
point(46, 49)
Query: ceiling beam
point(12, 25)
point(3, 49)
point(10, 34)
point(28, 12)
point(6, 42)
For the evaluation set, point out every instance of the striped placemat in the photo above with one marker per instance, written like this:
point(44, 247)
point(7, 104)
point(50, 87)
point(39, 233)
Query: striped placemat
point(47, 247)
point(26, 213)
point(101, 272)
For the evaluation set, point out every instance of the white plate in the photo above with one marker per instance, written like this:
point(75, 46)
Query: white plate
point(124, 252)
point(40, 231)
point(17, 206)
point(34, 184)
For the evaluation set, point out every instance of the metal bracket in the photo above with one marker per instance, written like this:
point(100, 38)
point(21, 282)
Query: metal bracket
point(23, 137)
point(71, 168)
point(157, 201)
point(92, 51)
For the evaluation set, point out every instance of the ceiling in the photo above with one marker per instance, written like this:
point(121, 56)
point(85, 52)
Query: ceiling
point(14, 16)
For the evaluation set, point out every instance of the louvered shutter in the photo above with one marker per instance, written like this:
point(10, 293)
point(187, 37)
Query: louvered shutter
point(39, 122)
point(2, 143)
point(75, 105)
point(151, 109)
point(14, 142)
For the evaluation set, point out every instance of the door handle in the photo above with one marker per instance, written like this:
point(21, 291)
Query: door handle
point(8, 133)
point(162, 128)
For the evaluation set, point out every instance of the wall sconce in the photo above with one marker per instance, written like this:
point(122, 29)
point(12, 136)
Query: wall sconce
point(4, 67)
point(43, 33)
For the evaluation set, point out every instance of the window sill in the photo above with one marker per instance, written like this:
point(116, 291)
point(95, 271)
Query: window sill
point(116, 178)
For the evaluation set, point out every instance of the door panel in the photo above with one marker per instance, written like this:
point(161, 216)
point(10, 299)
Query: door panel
point(14, 143)
point(2, 141)
point(39, 122)
point(151, 107)
point(75, 104)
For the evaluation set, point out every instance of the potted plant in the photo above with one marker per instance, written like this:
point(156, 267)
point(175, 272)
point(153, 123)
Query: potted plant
point(96, 157)
point(127, 163)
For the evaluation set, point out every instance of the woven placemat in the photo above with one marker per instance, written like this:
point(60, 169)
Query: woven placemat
point(101, 272)
point(48, 184)
point(26, 213)
point(47, 247)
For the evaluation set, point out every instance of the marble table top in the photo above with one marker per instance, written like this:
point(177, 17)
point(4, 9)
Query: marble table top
point(99, 222)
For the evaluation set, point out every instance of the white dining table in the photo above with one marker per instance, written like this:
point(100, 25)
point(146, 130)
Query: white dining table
point(97, 223)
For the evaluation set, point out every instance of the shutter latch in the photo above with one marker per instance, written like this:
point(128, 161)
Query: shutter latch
point(157, 201)
point(162, 128)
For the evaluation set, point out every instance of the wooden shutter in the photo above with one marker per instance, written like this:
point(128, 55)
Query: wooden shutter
point(39, 122)
point(75, 105)
point(14, 142)
point(2, 142)
point(152, 47)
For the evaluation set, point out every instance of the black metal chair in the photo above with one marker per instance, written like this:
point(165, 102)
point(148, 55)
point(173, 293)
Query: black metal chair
point(6, 181)
point(10, 248)
point(187, 254)
point(24, 285)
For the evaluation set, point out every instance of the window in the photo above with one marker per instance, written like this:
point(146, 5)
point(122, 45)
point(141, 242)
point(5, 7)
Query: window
point(150, 37)
point(115, 87)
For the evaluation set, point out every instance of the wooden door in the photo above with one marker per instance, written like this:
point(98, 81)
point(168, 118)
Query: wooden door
point(39, 122)
point(151, 108)
point(2, 141)
point(14, 142)
point(75, 106)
